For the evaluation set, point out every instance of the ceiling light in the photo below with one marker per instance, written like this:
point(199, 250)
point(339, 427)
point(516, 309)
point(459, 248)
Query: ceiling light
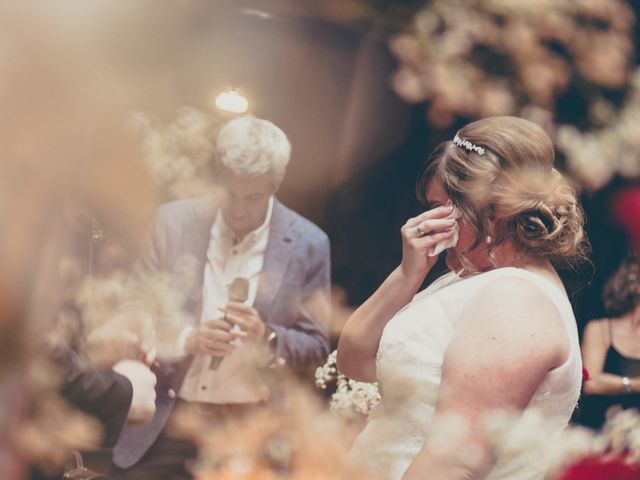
point(232, 101)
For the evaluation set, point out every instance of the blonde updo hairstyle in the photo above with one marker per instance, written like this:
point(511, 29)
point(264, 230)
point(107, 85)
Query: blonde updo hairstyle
point(510, 191)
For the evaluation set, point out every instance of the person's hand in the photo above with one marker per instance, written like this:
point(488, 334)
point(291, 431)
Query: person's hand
point(245, 318)
point(143, 381)
point(148, 354)
point(212, 338)
point(128, 334)
point(420, 234)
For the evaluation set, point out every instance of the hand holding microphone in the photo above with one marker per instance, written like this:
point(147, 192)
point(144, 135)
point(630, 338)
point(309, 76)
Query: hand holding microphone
point(247, 321)
point(215, 338)
point(237, 292)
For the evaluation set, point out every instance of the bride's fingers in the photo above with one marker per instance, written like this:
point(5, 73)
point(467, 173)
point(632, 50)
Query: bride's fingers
point(439, 212)
point(428, 228)
point(431, 240)
point(434, 226)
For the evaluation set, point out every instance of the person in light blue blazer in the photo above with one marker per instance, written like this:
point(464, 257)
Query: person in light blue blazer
point(284, 264)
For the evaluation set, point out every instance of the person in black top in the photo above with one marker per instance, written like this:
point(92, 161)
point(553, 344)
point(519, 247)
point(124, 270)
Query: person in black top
point(611, 348)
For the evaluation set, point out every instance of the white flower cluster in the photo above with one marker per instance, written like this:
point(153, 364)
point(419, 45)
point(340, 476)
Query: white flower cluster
point(537, 437)
point(622, 431)
point(478, 58)
point(357, 395)
point(122, 313)
point(180, 152)
point(596, 156)
point(349, 395)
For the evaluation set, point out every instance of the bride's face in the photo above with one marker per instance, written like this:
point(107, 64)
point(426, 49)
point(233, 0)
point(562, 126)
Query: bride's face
point(479, 257)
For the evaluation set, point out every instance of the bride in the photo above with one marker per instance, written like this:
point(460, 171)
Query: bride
point(496, 334)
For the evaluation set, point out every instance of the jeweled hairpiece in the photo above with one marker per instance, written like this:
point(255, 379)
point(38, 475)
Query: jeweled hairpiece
point(467, 145)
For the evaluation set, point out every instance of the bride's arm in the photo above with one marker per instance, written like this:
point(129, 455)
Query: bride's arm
point(360, 337)
point(509, 339)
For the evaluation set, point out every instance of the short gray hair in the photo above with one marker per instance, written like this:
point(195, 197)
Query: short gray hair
point(248, 145)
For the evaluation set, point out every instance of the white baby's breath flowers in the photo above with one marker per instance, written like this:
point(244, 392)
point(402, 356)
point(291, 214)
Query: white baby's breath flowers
point(447, 440)
point(537, 438)
point(634, 444)
point(350, 395)
point(124, 313)
point(619, 427)
point(479, 58)
point(359, 396)
point(515, 435)
point(179, 153)
point(100, 297)
point(574, 444)
point(596, 156)
point(327, 372)
point(457, 51)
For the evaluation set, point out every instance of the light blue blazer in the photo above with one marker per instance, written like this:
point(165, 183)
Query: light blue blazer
point(296, 269)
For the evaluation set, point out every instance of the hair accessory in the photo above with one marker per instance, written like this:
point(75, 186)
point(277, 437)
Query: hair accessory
point(467, 145)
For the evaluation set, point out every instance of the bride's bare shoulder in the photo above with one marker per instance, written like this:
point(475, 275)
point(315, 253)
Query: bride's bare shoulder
point(513, 303)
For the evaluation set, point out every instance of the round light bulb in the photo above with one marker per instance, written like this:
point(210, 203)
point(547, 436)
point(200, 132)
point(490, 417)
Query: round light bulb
point(232, 101)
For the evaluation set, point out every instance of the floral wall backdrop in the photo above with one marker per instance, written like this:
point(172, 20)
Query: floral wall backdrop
point(570, 66)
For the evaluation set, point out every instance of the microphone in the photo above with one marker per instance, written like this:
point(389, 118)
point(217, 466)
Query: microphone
point(237, 291)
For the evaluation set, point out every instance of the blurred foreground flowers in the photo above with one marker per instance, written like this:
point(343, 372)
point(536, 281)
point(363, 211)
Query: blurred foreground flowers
point(296, 436)
point(51, 427)
point(69, 164)
point(179, 153)
point(123, 315)
point(578, 453)
point(62, 115)
point(292, 436)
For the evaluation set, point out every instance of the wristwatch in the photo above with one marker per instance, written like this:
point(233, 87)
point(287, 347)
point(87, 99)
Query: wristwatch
point(271, 341)
point(270, 336)
point(626, 385)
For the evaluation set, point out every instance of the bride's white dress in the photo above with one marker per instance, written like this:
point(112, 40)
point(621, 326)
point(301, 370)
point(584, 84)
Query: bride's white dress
point(409, 364)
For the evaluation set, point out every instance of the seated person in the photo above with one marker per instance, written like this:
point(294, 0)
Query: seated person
point(611, 348)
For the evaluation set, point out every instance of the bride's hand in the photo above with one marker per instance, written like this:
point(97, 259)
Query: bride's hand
point(420, 234)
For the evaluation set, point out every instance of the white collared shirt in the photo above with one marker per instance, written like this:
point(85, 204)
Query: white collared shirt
point(236, 380)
